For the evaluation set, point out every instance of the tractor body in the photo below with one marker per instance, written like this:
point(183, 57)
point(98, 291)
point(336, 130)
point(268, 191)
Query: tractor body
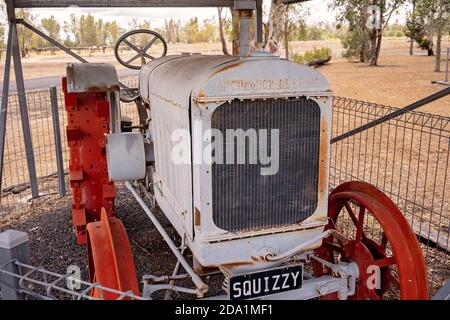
point(235, 153)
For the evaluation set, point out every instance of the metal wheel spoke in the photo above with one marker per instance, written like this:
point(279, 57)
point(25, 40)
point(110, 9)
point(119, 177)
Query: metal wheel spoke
point(385, 262)
point(391, 280)
point(132, 46)
point(149, 56)
point(351, 213)
point(360, 224)
point(384, 241)
point(134, 58)
point(150, 44)
point(394, 250)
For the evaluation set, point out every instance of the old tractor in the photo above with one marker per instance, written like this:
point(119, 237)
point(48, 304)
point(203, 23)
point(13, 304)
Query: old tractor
point(235, 151)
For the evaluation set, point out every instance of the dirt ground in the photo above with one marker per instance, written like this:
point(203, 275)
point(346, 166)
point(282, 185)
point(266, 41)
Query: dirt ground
point(398, 81)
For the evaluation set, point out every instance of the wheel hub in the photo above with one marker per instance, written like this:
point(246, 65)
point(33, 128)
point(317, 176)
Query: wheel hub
point(357, 252)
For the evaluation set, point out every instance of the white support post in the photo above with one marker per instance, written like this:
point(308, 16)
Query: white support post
point(14, 245)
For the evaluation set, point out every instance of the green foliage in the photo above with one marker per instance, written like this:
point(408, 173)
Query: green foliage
point(51, 27)
point(194, 32)
point(430, 18)
point(88, 31)
point(312, 55)
point(357, 45)
point(2, 36)
point(113, 32)
point(395, 30)
point(172, 31)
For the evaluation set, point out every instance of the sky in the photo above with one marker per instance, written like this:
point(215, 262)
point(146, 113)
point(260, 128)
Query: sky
point(156, 16)
point(319, 13)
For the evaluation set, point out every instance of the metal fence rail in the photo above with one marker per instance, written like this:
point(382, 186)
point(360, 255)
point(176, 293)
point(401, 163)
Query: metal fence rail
point(407, 157)
point(39, 283)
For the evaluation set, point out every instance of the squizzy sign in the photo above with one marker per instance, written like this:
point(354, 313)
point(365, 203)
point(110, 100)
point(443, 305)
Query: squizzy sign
point(267, 84)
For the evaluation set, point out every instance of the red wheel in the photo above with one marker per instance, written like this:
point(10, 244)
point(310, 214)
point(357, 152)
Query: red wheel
point(110, 258)
point(376, 235)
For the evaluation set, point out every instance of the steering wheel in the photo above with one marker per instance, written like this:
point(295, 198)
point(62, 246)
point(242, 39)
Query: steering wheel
point(146, 45)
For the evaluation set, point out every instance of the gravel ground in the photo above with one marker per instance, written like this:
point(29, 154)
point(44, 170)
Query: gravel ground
point(53, 243)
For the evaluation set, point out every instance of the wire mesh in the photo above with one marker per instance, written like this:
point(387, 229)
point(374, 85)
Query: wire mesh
point(16, 194)
point(406, 157)
point(39, 283)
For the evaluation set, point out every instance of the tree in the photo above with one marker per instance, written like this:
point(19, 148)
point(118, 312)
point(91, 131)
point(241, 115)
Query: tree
point(274, 31)
point(386, 10)
point(208, 31)
point(442, 26)
point(2, 36)
point(25, 35)
point(418, 31)
point(411, 20)
point(368, 18)
point(191, 30)
point(102, 32)
point(113, 32)
point(171, 30)
point(52, 28)
point(354, 14)
point(432, 21)
point(221, 32)
point(293, 19)
point(88, 28)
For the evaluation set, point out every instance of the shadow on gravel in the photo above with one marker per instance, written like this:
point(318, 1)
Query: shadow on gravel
point(53, 242)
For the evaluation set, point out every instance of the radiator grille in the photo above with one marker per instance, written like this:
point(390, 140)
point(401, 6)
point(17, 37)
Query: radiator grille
point(243, 199)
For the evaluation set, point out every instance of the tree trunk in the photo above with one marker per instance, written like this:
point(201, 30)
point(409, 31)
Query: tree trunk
point(379, 39)
point(274, 25)
point(235, 31)
point(286, 34)
point(221, 33)
point(437, 67)
point(373, 48)
point(362, 27)
point(411, 45)
point(362, 53)
point(286, 45)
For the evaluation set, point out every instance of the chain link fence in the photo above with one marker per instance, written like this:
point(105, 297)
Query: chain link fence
point(406, 157)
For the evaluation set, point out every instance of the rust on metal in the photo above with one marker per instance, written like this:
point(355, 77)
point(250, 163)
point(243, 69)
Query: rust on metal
point(91, 77)
point(324, 146)
point(404, 252)
point(87, 124)
point(197, 217)
point(110, 258)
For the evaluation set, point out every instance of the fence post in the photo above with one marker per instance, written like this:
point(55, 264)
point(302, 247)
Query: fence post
point(57, 137)
point(446, 65)
point(14, 245)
